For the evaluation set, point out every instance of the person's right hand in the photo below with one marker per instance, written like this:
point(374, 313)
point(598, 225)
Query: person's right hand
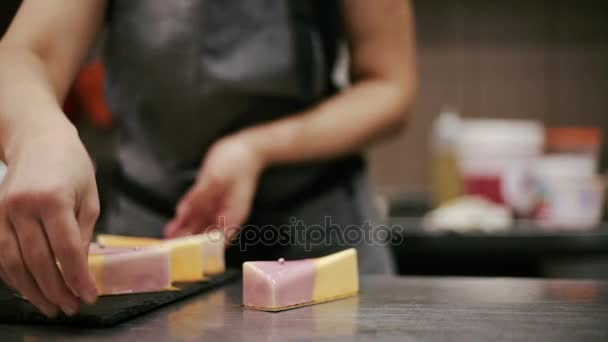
point(48, 208)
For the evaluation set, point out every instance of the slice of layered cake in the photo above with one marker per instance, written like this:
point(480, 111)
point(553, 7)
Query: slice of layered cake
point(281, 285)
point(192, 257)
point(122, 270)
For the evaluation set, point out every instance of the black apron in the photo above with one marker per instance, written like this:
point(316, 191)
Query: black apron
point(183, 73)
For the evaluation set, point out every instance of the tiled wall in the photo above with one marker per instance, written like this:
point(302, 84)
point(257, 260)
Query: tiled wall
point(521, 59)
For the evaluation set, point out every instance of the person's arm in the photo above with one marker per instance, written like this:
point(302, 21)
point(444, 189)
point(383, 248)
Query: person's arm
point(381, 41)
point(48, 199)
point(39, 57)
point(380, 34)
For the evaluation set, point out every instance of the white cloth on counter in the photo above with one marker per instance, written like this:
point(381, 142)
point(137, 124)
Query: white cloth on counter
point(469, 213)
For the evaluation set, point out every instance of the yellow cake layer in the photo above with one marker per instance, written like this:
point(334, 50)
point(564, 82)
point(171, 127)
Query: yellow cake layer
point(186, 258)
point(96, 268)
point(336, 275)
point(213, 253)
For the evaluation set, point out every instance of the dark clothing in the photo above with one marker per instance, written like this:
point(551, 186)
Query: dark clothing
point(183, 73)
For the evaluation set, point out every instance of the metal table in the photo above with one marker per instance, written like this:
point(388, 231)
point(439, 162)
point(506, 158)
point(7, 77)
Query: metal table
point(388, 308)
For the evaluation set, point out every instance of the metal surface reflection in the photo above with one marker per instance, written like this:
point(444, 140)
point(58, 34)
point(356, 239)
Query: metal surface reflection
point(193, 319)
point(333, 319)
point(337, 319)
point(575, 291)
point(398, 309)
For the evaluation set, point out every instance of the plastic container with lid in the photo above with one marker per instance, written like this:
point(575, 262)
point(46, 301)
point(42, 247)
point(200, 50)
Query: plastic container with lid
point(569, 192)
point(573, 139)
point(496, 158)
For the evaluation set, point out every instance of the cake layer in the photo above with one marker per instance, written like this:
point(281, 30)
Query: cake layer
point(186, 258)
point(123, 270)
point(192, 257)
point(276, 285)
point(214, 246)
point(337, 274)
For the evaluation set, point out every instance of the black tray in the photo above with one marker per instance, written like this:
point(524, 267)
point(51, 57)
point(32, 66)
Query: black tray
point(108, 311)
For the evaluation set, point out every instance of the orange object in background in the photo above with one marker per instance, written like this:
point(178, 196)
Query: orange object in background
point(86, 96)
point(573, 140)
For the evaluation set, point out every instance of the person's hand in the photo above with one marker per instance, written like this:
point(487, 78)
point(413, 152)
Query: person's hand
point(222, 195)
point(48, 208)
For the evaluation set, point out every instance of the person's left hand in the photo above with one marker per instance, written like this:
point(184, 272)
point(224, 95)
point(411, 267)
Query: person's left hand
point(222, 195)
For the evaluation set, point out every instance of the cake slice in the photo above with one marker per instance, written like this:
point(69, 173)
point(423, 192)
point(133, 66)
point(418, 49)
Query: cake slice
point(186, 253)
point(280, 285)
point(121, 270)
point(192, 257)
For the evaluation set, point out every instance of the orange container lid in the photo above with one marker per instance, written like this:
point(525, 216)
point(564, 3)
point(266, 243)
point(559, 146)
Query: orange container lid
point(573, 137)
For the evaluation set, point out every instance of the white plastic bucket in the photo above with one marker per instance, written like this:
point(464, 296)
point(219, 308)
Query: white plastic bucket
point(496, 157)
point(569, 193)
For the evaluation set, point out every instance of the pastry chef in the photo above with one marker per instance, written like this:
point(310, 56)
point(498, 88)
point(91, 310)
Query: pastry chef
point(228, 117)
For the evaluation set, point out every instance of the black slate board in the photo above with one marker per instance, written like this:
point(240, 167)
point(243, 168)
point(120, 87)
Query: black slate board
point(108, 311)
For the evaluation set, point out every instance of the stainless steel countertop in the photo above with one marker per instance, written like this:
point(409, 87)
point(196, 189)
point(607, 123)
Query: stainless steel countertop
point(388, 308)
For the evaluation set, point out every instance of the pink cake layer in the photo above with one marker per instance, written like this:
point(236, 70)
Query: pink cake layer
point(294, 281)
point(132, 270)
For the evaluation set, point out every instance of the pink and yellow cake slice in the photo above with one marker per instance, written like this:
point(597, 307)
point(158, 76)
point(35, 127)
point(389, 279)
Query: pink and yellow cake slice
point(281, 285)
point(192, 257)
point(121, 270)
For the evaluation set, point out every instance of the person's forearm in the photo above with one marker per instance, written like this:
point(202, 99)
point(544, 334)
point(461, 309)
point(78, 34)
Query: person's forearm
point(39, 56)
point(28, 98)
point(381, 41)
point(341, 125)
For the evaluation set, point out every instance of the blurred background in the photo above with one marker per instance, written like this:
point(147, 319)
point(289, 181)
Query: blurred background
point(501, 171)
